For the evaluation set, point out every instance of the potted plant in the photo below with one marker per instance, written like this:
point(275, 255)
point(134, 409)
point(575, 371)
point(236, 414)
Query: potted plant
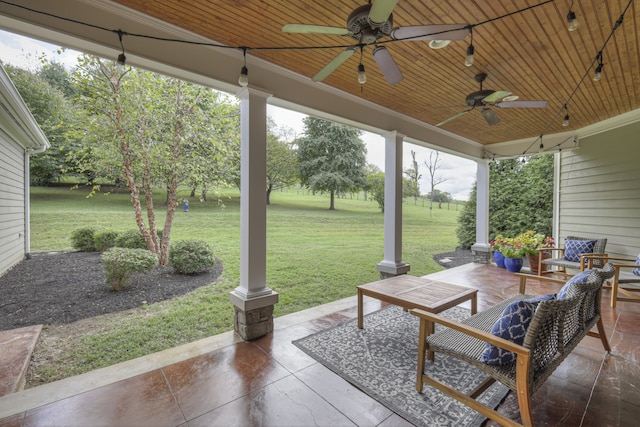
point(496, 245)
point(513, 252)
point(532, 243)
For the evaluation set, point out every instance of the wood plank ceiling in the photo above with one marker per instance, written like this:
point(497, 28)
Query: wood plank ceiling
point(531, 54)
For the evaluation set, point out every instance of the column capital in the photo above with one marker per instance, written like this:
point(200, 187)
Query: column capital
point(393, 134)
point(245, 92)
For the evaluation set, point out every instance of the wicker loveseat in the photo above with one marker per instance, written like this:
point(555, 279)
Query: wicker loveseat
point(556, 327)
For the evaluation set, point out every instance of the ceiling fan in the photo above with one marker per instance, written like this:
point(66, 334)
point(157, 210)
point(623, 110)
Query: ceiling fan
point(495, 98)
point(371, 22)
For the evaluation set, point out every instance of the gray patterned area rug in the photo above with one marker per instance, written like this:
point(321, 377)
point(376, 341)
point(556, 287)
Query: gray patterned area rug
point(382, 358)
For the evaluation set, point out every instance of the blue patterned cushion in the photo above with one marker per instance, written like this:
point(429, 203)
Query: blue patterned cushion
point(579, 279)
point(512, 325)
point(573, 249)
point(636, 271)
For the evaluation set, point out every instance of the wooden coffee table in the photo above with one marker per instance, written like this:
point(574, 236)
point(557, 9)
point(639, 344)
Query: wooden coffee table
point(416, 292)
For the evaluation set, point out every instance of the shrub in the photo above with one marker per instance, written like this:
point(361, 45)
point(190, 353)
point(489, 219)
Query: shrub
point(121, 263)
point(105, 239)
point(82, 239)
point(133, 239)
point(190, 256)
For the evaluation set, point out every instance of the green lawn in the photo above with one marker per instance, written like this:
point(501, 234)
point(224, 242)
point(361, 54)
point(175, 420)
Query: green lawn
point(314, 256)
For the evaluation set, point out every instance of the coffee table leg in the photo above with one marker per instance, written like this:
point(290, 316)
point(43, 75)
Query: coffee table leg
point(474, 303)
point(360, 309)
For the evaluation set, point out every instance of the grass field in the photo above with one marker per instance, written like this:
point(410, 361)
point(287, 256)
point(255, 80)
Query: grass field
point(314, 256)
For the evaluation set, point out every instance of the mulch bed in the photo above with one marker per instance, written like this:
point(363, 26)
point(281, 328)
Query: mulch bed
point(63, 287)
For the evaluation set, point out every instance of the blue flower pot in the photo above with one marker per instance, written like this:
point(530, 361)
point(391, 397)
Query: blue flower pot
point(514, 265)
point(498, 258)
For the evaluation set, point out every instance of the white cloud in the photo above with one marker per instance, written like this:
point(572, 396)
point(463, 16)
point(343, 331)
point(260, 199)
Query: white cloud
point(26, 53)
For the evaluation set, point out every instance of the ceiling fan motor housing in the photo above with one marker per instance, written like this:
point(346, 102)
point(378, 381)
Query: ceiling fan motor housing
point(475, 99)
point(363, 30)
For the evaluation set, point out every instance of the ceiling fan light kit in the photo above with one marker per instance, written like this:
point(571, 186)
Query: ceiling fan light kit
point(439, 44)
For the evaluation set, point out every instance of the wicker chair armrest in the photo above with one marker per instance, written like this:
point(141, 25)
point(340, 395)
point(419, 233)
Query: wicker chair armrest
point(623, 265)
point(590, 257)
point(472, 331)
point(561, 250)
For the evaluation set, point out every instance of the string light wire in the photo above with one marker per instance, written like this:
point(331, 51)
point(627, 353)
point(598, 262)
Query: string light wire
point(245, 49)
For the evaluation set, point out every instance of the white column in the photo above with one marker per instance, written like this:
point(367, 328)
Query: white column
point(253, 292)
point(392, 265)
point(482, 210)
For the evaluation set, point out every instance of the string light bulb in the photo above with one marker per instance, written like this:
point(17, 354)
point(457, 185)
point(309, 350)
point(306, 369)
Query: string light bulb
point(362, 77)
point(243, 80)
point(468, 61)
point(572, 20)
point(565, 121)
point(121, 62)
point(598, 74)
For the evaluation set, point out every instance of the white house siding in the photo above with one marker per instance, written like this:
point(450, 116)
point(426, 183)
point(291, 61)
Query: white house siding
point(599, 187)
point(12, 204)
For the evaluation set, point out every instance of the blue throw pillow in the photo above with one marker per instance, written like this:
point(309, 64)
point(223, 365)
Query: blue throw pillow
point(636, 271)
point(573, 249)
point(579, 279)
point(512, 325)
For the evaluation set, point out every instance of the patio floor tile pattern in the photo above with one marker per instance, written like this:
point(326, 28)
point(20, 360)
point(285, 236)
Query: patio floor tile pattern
point(271, 382)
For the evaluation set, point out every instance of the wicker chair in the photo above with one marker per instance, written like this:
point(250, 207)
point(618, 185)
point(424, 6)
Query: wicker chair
point(625, 285)
point(556, 329)
point(560, 261)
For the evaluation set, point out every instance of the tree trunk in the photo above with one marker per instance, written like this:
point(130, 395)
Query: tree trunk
point(269, 188)
point(331, 204)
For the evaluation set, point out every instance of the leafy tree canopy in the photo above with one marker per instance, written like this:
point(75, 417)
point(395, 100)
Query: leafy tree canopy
point(520, 199)
point(332, 157)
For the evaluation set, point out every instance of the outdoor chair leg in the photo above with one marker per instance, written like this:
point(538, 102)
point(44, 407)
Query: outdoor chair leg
point(422, 349)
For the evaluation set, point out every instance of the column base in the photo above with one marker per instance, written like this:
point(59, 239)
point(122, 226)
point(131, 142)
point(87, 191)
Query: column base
point(253, 318)
point(391, 269)
point(481, 253)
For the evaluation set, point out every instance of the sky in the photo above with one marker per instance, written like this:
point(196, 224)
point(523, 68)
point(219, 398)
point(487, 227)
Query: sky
point(458, 173)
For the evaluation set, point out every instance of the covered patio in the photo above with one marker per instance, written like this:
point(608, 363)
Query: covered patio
point(223, 380)
point(268, 381)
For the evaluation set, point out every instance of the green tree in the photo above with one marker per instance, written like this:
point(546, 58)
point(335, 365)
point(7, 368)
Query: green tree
point(282, 162)
point(332, 157)
point(57, 76)
point(375, 185)
point(440, 197)
point(55, 116)
point(466, 231)
point(150, 129)
point(412, 188)
point(520, 199)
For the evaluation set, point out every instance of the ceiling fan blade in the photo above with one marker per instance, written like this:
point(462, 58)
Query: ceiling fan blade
point(431, 32)
point(387, 65)
point(444, 122)
point(335, 63)
point(495, 96)
point(522, 104)
point(380, 11)
point(315, 29)
point(490, 116)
